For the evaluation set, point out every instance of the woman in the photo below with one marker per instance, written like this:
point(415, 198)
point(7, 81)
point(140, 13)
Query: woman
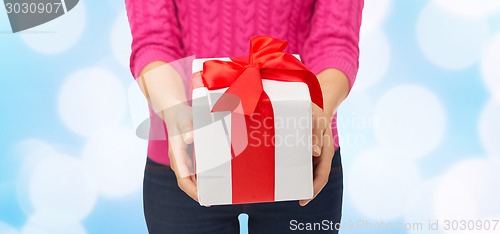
point(324, 32)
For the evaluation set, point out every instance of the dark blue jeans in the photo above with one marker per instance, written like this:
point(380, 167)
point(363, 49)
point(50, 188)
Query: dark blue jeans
point(169, 210)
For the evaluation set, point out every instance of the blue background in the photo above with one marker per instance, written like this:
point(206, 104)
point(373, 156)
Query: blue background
point(419, 131)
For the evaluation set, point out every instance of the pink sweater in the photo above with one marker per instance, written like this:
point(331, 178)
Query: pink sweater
point(324, 32)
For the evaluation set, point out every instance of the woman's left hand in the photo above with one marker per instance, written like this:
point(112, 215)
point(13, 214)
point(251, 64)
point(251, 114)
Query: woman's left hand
point(323, 150)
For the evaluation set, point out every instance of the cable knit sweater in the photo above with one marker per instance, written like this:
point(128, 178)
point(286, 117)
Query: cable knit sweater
point(324, 32)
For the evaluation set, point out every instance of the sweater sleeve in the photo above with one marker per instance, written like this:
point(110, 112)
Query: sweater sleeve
point(334, 37)
point(155, 33)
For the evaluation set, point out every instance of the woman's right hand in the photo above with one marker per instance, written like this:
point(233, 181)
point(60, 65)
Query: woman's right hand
point(179, 121)
point(165, 90)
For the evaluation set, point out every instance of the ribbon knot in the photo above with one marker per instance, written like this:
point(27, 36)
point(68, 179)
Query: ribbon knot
point(251, 65)
point(243, 76)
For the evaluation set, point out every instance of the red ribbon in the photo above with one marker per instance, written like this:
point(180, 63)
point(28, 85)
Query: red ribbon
point(243, 76)
point(253, 168)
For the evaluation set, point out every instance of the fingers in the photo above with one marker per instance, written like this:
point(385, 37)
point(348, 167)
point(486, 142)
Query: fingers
point(319, 124)
point(327, 149)
point(188, 185)
point(193, 178)
point(180, 144)
point(185, 126)
point(321, 173)
point(180, 136)
point(186, 181)
point(188, 137)
point(322, 166)
point(317, 141)
point(180, 157)
point(182, 165)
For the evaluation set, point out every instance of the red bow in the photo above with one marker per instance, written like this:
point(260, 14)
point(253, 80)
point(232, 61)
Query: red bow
point(244, 75)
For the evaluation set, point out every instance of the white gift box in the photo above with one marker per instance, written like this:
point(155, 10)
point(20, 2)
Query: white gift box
point(293, 175)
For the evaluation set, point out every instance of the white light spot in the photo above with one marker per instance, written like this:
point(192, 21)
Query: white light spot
point(115, 5)
point(489, 128)
point(34, 229)
point(137, 105)
point(33, 147)
point(380, 186)
point(374, 14)
point(33, 152)
point(490, 68)
point(91, 99)
point(58, 191)
point(410, 121)
point(375, 56)
point(121, 39)
point(7, 229)
point(58, 35)
point(469, 191)
point(419, 210)
point(450, 41)
point(114, 161)
point(476, 8)
point(4, 19)
point(356, 123)
point(33, 226)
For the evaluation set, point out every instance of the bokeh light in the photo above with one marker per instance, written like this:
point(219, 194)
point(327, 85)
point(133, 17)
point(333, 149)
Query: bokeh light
point(121, 39)
point(380, 185)
point(374, 14)
point(468, 191)
point(59, 193)
point(428, 78)
point(476, 8)
point(375, 57)
point(113, 161)
point(490, 68)
point(60, 34)
point(489, 128)
point(449, 40)
point(406, 115)
point(90, 99)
